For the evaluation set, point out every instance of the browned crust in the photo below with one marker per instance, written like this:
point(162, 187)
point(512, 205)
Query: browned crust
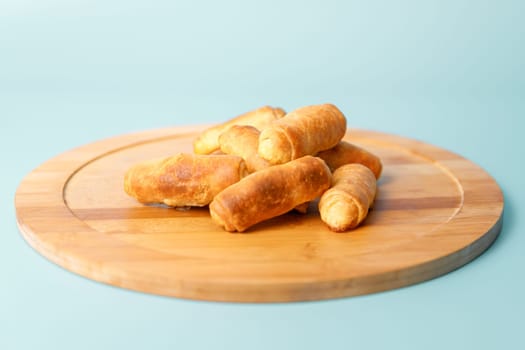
point(183, 179)
point(270, 192)
point(345, 205)
point(242, 141)
point(304, 131)
point(208, 141)
point(347, 153)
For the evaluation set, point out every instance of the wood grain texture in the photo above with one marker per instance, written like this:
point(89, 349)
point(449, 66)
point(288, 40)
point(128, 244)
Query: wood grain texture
point(435, 211)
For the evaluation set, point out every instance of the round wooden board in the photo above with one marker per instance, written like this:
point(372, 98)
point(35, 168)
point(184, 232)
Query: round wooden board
point(434, 212)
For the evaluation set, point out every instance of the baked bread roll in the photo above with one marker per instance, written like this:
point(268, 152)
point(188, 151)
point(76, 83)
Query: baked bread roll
point(345, 205)
point(208, 141)
point(304, 131)
point(184, 179)
point(242, 141)
point(270, 192)
point(347, 153)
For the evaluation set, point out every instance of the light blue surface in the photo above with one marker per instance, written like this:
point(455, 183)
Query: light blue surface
point(450, 73)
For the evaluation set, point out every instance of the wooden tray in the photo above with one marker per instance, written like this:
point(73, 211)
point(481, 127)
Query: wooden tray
point(435, 211)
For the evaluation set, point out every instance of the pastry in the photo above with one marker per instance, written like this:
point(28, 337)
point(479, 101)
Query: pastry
point(345, 205)
point(208, 141)
point(346, 153)
point(242, 141)
point(270, 192)
point(304, 131)
point(183, 179)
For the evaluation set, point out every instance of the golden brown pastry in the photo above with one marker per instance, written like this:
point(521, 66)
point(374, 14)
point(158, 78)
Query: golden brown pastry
point(304, 131)
point(345, 205)
point(270, 192)
point(242, 141)
point(184, 179)
point(208, 140)
point(346, 153)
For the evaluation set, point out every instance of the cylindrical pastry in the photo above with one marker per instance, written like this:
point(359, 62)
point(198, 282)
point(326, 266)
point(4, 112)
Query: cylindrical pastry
point(304, 131)
point(345, 205)
point(242, 141)
point(208, 141)
point(184, 179)
point(270, 192)
point(347, 153)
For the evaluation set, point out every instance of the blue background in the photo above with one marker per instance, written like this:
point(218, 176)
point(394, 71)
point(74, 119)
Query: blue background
point(450, 73)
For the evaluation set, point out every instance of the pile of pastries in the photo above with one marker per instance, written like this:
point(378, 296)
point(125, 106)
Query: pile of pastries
point(263, 164)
